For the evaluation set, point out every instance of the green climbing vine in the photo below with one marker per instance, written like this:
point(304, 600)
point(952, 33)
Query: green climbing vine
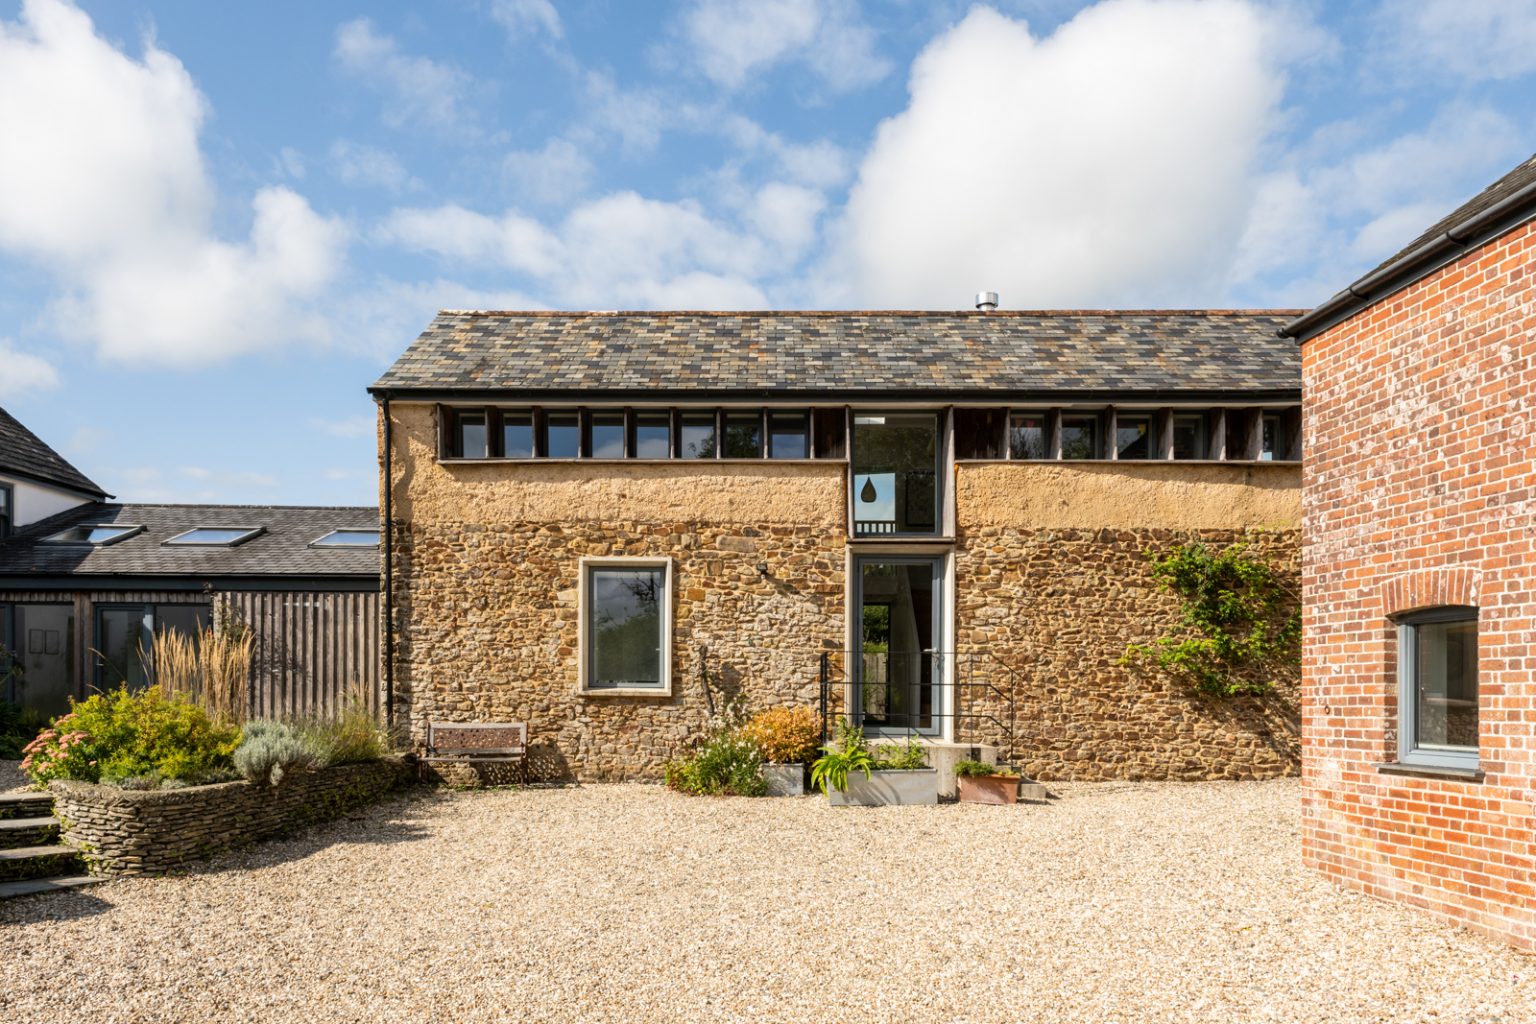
point(1239, 627)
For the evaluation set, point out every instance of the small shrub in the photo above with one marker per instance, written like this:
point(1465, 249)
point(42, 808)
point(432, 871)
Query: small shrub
point(270, 750)
point(351, 737)
point(977, 769)
point(727, 764)
point(907, 757)
point(848, 754)
point(125, 735)
point(785, 735)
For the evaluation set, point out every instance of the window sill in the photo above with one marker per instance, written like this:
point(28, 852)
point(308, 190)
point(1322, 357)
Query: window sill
point(1437, 771)
point(901, 539)
point(626, 692)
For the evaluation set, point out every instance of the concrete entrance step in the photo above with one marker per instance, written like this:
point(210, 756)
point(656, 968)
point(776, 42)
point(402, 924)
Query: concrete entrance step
point(40, 831)
point(33, 886)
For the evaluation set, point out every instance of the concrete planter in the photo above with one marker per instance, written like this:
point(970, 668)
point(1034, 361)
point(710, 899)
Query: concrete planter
point(888, 788)
point(785, 779)
point(989, 789)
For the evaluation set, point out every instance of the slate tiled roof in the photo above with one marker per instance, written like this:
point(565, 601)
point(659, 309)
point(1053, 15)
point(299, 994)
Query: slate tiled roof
point(283, 550)
point(848, 353)
point(24, 454)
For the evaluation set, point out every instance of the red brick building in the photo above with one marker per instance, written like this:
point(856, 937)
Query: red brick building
point(1419, 571)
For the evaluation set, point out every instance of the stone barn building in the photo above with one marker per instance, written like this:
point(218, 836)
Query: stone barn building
point(606, 524)
point(1419, 677)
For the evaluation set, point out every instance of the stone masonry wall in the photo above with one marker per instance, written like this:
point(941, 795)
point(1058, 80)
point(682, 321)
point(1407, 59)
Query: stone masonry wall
point(487, 561)
point(146, 832)
point(1058, 608)
point(1421, 491)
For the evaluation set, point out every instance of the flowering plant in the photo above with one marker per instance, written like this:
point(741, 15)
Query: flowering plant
point(60, 752)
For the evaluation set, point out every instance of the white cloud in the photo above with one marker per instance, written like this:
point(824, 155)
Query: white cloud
point(421, 92)
point(733, 40)
point(1488, 39)
point(553, 174)
point(819, 164)
point(1109, 163)
point(194, 484)
point(105, 187)
point(356, 163)
point(522, 17)
point(1346, 205)
point(626, 250)
point(23, 374)
point(381, 318)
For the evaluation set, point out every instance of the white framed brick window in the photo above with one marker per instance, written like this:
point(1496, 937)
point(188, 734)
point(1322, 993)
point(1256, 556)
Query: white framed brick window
point(1437, 688)
point(625, 616)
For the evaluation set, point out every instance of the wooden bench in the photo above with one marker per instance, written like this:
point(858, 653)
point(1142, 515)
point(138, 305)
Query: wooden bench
point(479, 743)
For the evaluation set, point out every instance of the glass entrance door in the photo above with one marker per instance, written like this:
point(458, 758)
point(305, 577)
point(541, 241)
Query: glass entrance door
point(899, 667)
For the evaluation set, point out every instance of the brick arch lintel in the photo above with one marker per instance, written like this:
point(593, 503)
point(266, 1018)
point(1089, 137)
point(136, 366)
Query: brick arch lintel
point(1429, 588)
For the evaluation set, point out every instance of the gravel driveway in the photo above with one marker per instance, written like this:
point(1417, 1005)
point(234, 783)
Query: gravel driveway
point(1118, 902)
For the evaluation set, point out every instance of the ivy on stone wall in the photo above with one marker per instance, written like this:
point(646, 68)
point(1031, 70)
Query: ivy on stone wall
point(1239, 627)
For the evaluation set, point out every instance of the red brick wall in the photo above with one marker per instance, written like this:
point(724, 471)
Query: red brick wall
point(1418, 490)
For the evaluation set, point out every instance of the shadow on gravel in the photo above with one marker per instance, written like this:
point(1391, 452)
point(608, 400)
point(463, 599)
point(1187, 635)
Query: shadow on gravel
point(64, 905)
point(383, 824)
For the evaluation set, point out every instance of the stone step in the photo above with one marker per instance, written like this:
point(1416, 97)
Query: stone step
point(40, 862)
point(58, 883)
point(25, 805)
point(39, 831)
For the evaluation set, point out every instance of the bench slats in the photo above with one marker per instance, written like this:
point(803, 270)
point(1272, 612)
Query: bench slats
point(469, 742)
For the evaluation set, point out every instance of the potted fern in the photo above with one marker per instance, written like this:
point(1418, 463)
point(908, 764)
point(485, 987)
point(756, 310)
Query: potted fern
point(982, 783)
point(853, 775)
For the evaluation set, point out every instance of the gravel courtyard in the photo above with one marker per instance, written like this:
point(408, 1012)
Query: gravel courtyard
point(1116, 902)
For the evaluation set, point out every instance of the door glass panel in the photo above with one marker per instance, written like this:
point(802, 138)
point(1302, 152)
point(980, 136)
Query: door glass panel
point(185, 619)
point(897, 666)
point(44, 645)
point(122, 640)
point(895, 474)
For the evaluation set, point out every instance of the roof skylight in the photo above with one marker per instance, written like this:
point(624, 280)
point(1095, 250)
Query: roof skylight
point(216, 536)
point(97, 534)
point(349, 538)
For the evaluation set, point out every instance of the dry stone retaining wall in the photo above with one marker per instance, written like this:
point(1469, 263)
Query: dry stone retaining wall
point(145, 832)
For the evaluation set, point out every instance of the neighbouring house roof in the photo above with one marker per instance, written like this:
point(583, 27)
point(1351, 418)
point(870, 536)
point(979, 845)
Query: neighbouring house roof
point(282, 550)
point(23, 454)
point(877, 354)
point(1505, 204)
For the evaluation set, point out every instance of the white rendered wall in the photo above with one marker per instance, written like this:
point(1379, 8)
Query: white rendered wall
point(35, 501)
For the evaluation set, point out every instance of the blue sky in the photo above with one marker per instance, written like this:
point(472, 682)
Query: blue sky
point(220, 222)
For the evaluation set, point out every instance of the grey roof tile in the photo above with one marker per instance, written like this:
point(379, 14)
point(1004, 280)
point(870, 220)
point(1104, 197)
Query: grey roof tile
point(845, 353)
point(282, 550)
point(24, 454)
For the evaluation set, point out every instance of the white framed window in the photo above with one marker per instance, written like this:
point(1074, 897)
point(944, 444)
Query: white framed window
point(1437, 688)
point(626, 626)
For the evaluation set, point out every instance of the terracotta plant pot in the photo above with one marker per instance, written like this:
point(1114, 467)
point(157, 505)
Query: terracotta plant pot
point(989, 789)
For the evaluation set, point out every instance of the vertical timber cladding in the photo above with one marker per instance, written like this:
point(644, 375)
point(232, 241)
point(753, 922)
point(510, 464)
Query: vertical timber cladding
point(1051, 576)
point(314, 650)
point(486, 576)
